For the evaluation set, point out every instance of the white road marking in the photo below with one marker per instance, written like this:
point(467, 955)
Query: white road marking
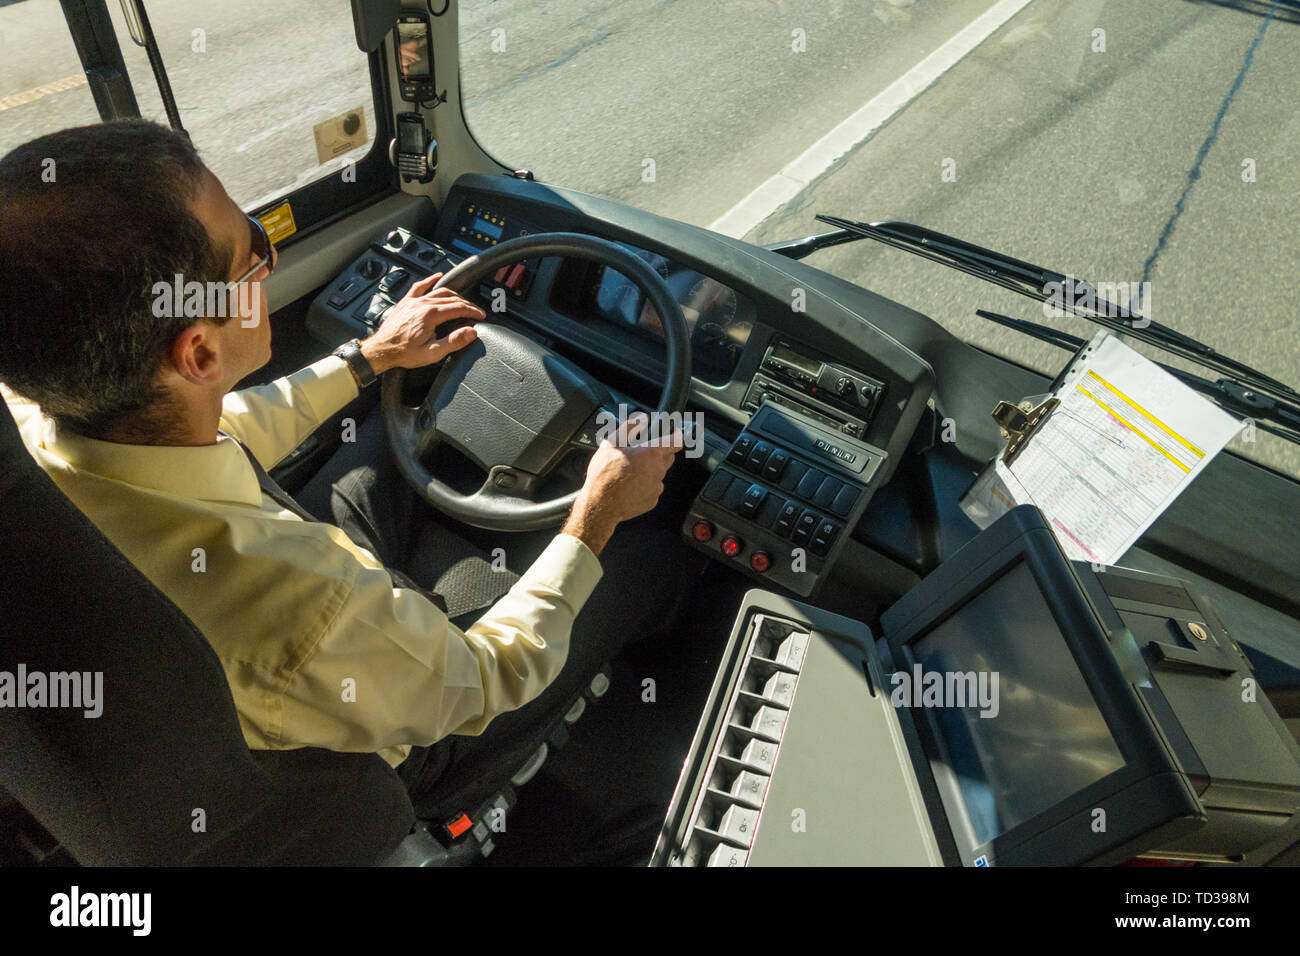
point(776, 191)
point(45, 89)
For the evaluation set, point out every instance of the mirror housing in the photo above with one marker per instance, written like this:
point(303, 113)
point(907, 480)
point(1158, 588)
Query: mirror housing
point(372, 20)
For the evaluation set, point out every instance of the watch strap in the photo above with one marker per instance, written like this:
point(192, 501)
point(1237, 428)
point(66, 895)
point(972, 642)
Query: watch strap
point(350, 352)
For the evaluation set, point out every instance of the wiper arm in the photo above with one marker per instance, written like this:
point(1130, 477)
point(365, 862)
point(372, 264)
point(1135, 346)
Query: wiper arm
point(802, 248)
point(1030, 280)
point(1044, 333)
point(1273, 416)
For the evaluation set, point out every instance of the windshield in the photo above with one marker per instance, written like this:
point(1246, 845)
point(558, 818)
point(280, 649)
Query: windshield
point(1146, 144)
point(270, 104)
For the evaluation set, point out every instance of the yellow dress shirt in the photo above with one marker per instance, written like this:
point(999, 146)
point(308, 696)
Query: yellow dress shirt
point(320, 649)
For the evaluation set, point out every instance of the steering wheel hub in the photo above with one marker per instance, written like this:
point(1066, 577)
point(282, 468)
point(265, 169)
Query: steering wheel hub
point(503, 400)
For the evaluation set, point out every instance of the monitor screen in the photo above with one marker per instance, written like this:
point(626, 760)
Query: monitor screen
point(490, 229)
point(1028, 733)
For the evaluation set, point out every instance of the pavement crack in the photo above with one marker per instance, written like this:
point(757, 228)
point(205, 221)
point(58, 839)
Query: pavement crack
point(1194, 173)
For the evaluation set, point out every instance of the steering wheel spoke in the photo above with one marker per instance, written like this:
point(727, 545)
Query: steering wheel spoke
point(412, 426)
point(586, 438)
point(506, 483)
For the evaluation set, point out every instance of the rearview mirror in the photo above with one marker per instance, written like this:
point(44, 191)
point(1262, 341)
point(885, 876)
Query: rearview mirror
point(372, 19)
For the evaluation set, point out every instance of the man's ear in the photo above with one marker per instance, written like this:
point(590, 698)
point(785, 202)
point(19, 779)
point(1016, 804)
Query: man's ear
point(194, 355)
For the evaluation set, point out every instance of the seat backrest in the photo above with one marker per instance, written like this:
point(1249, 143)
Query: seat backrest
point(162, 775)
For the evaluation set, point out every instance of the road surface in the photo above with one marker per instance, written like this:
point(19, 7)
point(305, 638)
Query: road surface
point(1120, 141)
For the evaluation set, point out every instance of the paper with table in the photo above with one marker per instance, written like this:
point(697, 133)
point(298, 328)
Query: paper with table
point(1125, 440)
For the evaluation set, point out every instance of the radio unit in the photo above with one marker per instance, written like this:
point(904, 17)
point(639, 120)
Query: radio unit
point(830, 394)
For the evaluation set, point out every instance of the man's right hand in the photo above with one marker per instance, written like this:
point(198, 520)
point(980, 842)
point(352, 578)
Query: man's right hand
point(625, 478)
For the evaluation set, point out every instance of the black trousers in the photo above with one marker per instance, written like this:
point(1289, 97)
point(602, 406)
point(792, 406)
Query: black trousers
point(647, 574)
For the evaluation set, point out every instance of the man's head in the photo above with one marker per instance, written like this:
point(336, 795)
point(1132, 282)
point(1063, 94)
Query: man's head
point(93, 221)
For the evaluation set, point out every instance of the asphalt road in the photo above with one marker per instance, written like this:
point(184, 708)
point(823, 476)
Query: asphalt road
point(1122, 165)
point(1119, 166)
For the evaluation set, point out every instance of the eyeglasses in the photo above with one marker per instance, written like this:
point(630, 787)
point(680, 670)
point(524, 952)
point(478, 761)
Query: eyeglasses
point(262, 248)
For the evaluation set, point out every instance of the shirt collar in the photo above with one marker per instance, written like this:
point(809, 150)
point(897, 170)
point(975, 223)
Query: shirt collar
point(216, 472)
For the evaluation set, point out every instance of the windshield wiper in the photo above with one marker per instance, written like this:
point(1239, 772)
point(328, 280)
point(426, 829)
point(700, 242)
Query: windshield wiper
point(1032, 281)
point(1273, 416)
point(802, 248)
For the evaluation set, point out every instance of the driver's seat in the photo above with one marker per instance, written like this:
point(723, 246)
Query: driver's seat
point(163, 775)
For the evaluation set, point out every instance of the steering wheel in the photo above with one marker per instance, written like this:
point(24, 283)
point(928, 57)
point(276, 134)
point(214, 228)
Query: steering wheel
point(514, 407)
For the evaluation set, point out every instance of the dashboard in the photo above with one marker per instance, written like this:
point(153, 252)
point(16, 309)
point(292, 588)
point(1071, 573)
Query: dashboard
point(785, 358)
point(837, 358)
point(720, 320)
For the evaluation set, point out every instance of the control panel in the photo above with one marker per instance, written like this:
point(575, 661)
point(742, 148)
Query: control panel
point(782, 504)
point(740, 763)
point(355, 303)
point(478, 228)
point(831, 394)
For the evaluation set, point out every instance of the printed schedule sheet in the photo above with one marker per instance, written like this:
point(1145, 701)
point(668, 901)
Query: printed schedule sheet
point(1125, 440)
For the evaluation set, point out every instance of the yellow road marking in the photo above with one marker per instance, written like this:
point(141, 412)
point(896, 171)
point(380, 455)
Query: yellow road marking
point(1151, 418)
point(1133, 428)
point(45, 89)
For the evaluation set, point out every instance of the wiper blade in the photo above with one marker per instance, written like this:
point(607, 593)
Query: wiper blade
point(1030, 280)
point(1273, 416)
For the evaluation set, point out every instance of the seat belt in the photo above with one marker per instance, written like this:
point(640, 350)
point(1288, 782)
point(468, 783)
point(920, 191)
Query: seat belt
point(285, 500)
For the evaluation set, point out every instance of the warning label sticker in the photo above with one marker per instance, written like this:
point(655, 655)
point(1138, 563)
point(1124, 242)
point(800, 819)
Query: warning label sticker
point(278, 223)
point(340, 134)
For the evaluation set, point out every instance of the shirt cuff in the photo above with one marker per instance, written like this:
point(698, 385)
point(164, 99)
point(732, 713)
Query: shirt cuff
point(568, 567)
point(327, 383)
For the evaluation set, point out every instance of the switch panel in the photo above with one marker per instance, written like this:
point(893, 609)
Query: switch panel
point(799, 758)
point(356, 302)
point(743, 758)
point(785, 499)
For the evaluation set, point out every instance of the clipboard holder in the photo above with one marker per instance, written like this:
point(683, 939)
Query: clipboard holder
point(1019, 422)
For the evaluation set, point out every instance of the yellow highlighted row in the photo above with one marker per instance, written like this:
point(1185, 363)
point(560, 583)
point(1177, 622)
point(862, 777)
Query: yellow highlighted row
point(1132, 427)
point(1149, 417)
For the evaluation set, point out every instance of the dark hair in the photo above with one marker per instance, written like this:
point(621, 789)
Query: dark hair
point(90, 219)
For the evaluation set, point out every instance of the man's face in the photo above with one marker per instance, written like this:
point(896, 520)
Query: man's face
point(245, 341)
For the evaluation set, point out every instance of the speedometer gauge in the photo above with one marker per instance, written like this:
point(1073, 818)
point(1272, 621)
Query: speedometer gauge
point(712, 302)
point(718, 320)
point(719, 333)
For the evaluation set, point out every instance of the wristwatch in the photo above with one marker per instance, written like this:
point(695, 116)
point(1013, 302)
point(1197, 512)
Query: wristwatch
point(350, 352)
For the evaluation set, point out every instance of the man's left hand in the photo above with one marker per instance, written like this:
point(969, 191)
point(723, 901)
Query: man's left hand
point(406, 337)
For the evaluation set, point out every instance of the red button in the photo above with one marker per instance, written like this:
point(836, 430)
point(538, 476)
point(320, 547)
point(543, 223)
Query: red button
point(731, 546)
point(459, 825)
point(760, 561)
point(517, 273)
point(702, 531)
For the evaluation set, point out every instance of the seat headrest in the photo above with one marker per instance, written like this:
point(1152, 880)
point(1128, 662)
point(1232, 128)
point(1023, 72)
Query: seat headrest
point(14, 456)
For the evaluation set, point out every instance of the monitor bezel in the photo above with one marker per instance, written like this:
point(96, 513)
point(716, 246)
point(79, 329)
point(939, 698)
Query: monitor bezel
point(1022, 537)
